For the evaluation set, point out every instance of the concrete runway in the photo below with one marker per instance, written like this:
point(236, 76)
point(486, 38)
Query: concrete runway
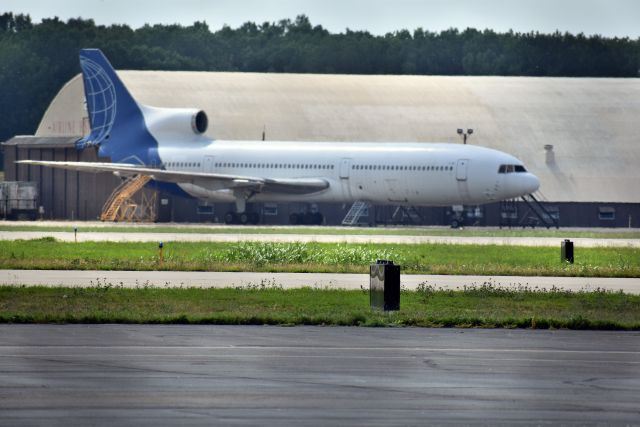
point(207, 375)
point(296, 280)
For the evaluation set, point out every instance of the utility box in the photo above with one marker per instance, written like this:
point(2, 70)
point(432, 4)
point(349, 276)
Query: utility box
point(384, 285)
point(566, 251)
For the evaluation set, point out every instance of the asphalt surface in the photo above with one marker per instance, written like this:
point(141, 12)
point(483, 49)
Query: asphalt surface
point(134, 279)
point(211, 375)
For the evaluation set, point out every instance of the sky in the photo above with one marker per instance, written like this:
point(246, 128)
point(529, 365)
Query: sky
point(611, 18)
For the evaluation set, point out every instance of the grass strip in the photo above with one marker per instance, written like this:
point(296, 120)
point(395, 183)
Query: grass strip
point(326, 230)
point(493, 260)
point(483, 306)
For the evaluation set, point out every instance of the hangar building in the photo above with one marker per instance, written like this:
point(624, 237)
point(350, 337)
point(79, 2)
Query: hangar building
point(578, 135)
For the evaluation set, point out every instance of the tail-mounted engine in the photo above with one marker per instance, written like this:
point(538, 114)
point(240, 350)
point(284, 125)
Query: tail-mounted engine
point(176, 123)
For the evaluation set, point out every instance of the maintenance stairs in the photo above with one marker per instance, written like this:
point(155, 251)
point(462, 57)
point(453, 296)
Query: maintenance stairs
point(540, 211)
point(357, 211)
point(121, 206)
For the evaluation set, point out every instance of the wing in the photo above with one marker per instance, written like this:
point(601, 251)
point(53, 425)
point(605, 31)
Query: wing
point(211, 181)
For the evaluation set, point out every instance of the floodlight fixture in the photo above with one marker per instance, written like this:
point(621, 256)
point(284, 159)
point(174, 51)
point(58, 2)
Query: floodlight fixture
point(464, 134)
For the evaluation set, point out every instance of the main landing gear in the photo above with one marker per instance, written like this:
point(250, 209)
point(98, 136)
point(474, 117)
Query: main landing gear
point(241, 218)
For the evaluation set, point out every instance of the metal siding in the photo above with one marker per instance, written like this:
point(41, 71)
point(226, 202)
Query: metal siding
point(71, 200)
point(59, 192)
point(46, 187)
point(87, 188)
point(22, 170)
point(10, 154)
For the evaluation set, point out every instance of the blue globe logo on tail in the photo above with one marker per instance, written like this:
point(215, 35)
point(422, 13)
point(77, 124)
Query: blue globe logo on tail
point(118, 125)
point(100, 95)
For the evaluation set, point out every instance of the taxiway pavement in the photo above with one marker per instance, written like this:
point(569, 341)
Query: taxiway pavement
point(132, 279)
point(151, 236)
point(150, 375)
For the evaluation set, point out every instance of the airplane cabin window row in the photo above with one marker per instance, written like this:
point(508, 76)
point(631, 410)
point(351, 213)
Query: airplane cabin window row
point(273, 166)
point(181, 164)
point(503, 168)
point(402, 168)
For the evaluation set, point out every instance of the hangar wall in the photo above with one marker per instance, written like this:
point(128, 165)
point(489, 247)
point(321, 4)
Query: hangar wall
point(577, 134)
point(63, 194)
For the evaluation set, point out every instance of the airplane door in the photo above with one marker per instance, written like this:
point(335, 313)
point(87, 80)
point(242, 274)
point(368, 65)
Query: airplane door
point(345, 170)
point(461, 177)
point(345, 167)
point(208, 164)
point(461, 169)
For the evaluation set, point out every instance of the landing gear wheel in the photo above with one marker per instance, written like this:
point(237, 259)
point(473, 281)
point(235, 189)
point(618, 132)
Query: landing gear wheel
point(243, 218)
point(230, 218)
point(455, 223)
point(254, 218)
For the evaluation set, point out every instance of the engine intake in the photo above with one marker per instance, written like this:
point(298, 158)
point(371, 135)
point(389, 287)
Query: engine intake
point(199, 122)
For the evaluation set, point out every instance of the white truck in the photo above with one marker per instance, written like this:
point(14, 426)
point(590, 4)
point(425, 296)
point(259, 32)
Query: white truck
point(18, 200)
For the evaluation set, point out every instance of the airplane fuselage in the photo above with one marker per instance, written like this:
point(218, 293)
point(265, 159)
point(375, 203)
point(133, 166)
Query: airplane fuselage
point(417, 174)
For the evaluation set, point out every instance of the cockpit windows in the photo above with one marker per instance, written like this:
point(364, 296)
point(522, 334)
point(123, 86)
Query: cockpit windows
point(511, 168)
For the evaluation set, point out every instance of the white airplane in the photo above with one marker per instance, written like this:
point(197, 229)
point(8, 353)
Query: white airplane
point(169, 145)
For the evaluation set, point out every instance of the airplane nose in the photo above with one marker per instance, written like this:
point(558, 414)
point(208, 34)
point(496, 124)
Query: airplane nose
point(531, 184)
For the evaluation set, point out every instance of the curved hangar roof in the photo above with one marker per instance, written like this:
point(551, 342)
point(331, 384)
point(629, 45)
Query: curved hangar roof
point(591, 124)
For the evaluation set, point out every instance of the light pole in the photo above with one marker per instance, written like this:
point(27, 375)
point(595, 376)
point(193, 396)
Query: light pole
point(464, 134)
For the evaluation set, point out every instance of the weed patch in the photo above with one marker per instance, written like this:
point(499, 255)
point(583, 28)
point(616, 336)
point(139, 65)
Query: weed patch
point(318, 257)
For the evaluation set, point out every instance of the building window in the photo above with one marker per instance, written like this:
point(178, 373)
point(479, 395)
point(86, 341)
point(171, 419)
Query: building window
point(270, 209)
point(606, 213)
point(205, 210)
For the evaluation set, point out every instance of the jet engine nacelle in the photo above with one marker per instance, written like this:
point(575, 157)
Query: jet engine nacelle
point(175, 122)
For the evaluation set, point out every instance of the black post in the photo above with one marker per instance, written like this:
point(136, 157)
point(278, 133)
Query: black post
point(566, 251)
point(384, 286)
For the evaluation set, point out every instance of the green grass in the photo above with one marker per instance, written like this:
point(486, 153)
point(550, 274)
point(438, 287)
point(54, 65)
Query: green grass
point(365, 231)
point(47, 253)
point(483, 306)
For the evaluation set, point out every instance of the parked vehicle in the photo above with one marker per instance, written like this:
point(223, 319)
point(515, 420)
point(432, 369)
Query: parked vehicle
point(18, 200)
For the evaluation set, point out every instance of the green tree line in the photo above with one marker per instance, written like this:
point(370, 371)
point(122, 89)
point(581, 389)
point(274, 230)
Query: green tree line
point(36, 59)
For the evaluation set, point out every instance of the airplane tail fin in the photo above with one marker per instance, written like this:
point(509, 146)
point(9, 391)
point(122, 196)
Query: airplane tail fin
point(117, 122)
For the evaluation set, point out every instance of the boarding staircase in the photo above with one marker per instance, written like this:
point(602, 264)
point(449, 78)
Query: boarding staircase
point(121, 206)
point(538, 209)
point(357, 210)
